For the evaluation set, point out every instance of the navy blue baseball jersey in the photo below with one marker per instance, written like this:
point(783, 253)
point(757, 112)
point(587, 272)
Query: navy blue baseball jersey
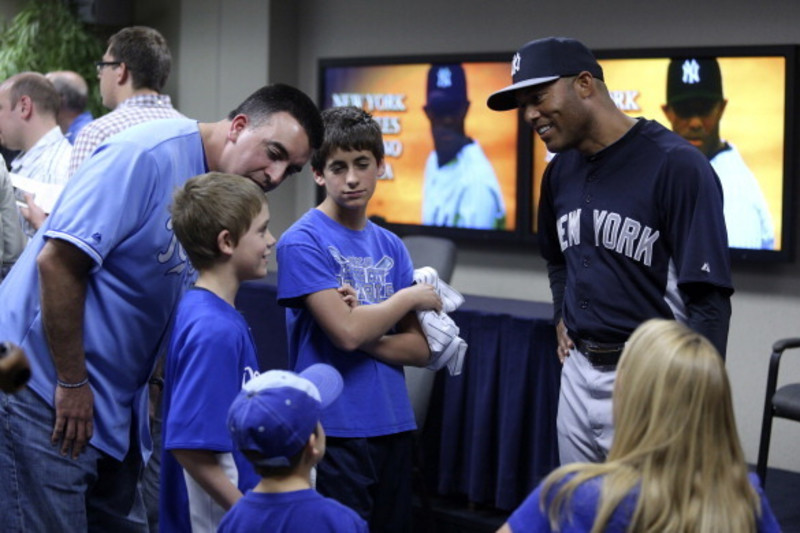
point(632, 224)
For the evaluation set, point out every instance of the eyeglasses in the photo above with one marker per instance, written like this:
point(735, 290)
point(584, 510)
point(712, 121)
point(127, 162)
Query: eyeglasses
point(100, 64)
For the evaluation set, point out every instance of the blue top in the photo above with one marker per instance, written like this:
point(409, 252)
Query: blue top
point(77, 124)
point(528, 518)
point(115, 210)
point(632, 224)
point(289, 512)
point(211, 356)
point(316, 254)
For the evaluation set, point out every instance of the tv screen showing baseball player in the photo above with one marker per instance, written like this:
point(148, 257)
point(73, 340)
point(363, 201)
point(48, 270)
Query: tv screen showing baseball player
point(451, 163)
point(733, 104)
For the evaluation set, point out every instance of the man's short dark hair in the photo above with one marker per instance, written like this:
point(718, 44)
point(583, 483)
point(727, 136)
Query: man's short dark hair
point(146, 54)
point(36, 87)
point(348, 128)
point(278, 98)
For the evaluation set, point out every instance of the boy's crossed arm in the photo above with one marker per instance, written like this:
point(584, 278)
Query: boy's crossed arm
point(365, 327)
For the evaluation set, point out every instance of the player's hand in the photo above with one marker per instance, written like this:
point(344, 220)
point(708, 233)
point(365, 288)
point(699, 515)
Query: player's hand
point(34, 214)
point(348, 294)
point(565, 344)
point(73, 426)
point(424, 297)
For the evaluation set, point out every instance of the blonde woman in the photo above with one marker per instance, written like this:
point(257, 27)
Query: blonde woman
point(676, 464)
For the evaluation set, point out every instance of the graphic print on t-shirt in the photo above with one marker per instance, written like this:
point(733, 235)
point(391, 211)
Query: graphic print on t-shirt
point(368, 279)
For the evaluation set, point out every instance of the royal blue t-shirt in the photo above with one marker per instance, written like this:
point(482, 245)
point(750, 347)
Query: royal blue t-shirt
point(289, 512)
point(316, 254)
point(529, 518)
point(211, 356)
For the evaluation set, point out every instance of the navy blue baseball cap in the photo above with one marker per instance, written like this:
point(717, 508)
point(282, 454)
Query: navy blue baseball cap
point(447, 87)
point(542, 61)
point(692, 78)
point(276, 412)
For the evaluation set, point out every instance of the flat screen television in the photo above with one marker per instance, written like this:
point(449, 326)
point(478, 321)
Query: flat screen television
point(756, 165)
point(465, 185)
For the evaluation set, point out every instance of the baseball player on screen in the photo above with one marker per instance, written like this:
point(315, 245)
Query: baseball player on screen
point(694, 108)
point(630, 224)
point(461, 188)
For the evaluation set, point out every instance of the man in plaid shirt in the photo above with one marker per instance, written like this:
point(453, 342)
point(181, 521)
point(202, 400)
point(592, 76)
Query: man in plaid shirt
point(132, 73)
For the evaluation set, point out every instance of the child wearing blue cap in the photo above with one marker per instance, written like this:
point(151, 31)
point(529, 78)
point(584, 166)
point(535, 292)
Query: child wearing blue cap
point(274, 422)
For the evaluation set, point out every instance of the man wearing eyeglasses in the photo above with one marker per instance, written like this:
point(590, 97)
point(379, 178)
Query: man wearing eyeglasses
point(132, 73)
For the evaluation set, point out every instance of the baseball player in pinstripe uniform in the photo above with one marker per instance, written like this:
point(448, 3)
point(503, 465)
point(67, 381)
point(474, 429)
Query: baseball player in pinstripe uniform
point(630, 224)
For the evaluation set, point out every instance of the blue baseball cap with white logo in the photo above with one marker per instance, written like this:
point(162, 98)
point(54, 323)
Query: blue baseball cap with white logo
point(276, 412)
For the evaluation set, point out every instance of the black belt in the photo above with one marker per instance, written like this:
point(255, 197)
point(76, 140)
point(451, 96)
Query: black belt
point(599, 353)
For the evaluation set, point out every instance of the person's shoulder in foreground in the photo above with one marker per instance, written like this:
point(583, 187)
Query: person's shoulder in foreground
point(274, 421)
point(531, 517)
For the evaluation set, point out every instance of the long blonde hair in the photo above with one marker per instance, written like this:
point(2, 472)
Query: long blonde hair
point(675, 441)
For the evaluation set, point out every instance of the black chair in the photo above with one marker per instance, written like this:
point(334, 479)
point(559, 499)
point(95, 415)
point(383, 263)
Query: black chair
point(783, 402)
point(436, 252)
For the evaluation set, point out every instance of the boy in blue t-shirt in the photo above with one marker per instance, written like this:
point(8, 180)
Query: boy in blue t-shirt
point(221, 222)
point(369, 447)
point(275, 422)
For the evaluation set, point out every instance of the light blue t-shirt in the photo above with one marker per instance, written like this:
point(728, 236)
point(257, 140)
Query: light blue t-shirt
point(316, 254)
point(115, 210)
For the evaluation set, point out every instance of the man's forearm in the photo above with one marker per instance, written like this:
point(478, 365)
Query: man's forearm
point(557, 274)
point(708, 313)
point(63, 271)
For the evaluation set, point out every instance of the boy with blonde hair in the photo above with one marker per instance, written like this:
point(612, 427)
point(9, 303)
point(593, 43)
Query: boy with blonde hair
point(221, 222)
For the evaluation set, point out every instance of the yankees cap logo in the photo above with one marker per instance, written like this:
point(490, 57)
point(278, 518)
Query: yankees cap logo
point(515, 63)
point(691, 72)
